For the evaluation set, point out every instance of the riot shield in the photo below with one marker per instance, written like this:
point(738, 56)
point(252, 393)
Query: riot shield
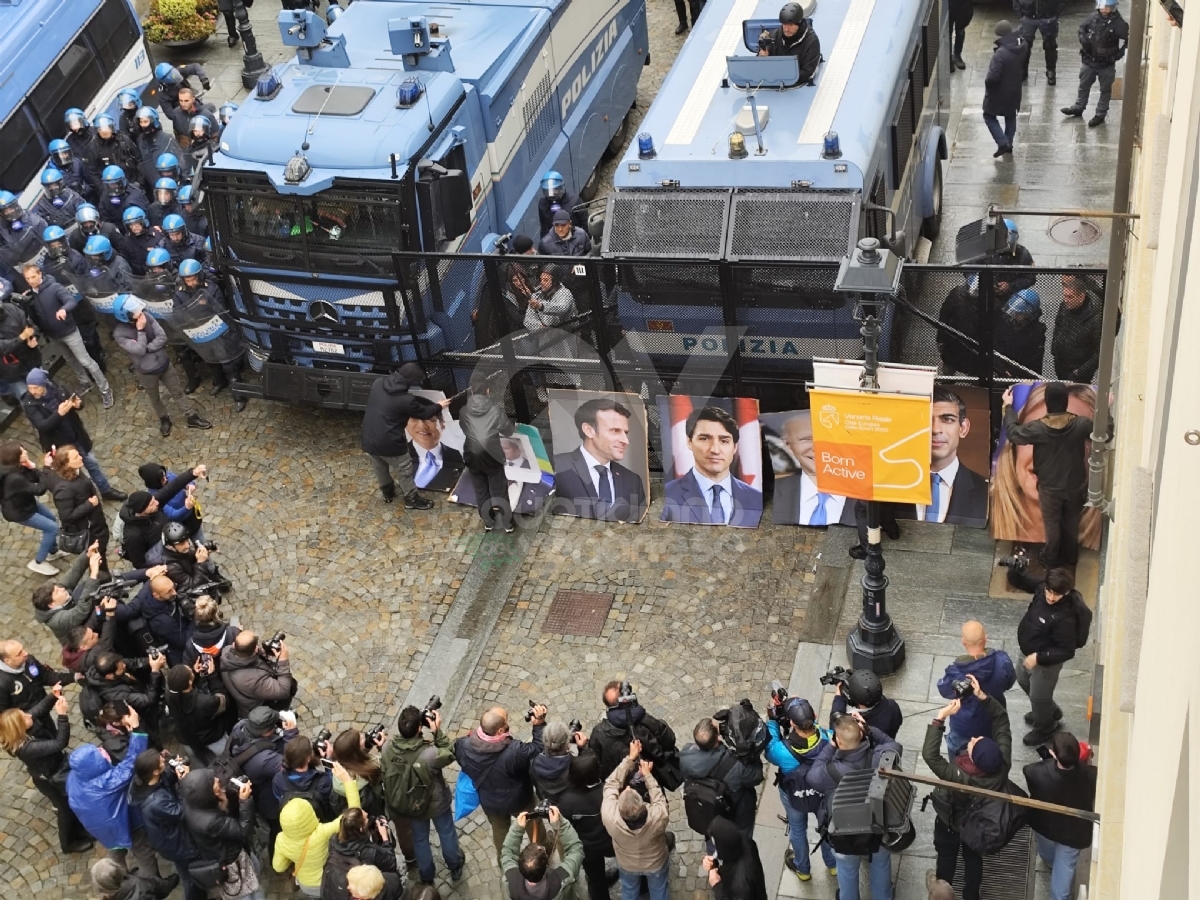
point(207, 325)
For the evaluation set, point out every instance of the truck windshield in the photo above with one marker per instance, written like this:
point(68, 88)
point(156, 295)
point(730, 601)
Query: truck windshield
point(351, 227)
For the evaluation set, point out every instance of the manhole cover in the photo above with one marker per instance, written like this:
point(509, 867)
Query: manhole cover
point(578, 612)
point(1074, 231)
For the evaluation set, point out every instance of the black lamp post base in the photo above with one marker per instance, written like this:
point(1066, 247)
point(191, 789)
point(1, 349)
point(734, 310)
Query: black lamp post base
point(253, 68)
point(882, 652)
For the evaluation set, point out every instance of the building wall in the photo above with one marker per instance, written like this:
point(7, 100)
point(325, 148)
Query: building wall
point(1144, 798)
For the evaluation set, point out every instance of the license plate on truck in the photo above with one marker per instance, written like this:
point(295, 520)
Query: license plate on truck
point(328, 347)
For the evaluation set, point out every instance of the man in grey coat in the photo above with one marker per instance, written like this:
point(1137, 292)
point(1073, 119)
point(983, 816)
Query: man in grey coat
point(483, 422)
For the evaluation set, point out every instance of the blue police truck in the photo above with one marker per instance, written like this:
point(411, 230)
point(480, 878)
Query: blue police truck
point(739, 162)
point(403, 126)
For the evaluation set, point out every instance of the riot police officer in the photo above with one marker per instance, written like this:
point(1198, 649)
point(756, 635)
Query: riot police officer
point(129, 101)
point(165, 201)
point(79, 131)
point(225, 114)
point(107, 275)
point(68, 267)
point(58, 203)
point(1103, 37)
point(1041, 15)
point(157, 290)
point(119, 195)
point(139, 239)
point(193, 215)
point(180, 242)
point(794, 35)
point(88, 223)
point(1014, 254)
point(75, 174)
point(204, 140)
point(167, 166)
point(170, 79)
point(110, 147)
point(20, 236)
point(201, 311)
point(153, 142)
point(555, 196)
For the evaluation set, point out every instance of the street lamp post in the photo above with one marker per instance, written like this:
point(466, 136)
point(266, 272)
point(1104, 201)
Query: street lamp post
point(253, 66)
point(875, 643)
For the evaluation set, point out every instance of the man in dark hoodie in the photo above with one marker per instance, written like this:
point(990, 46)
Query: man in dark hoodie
point(794, 37)
point(1048, 636)
point(484, 422)
point(498, 763)
point(793, 752)
point(708, 757)
point(856, 746)
point(1002, 86)
point(580, 804)
point(183, 507)
point(141, 517)
point(198, 708)
point(1062, 778)
point(1059, 441)
point(389, 407)
point(153, 794)
point(625, 716)
point(265, 731)
point(984, 764)
point(994, 671)
point(410, 748)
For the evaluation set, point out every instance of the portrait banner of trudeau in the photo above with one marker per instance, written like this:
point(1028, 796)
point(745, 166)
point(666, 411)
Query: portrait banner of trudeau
point(712, 461)
point(959, 452)
point(601, 463)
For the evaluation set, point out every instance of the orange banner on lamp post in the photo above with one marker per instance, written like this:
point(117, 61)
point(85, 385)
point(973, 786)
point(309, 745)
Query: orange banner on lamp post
point(872, 446)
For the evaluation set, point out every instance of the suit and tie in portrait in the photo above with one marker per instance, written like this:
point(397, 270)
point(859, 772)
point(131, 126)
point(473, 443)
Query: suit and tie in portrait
point(436, 465)
point(958, 496)
point(708, 493)
point(797, 499)
point(591, 480)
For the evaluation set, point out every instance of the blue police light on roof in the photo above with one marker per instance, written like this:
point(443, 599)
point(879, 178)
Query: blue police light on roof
point(833, 147)
point(646, 146)
point(267, 87)
point(408, 93)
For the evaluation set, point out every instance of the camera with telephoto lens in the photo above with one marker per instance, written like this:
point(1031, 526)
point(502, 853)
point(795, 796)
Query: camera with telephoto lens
point(574, 726)
point(626, 696)
point(529, 712)
point(504, 244)
point(322, 737)
point(270, 649)
point(434, 704)
point(1018, 562)
point(778, 695)
point(764, 40)
point(374, 736)
point(176, 763)
point(541, 811)
point(962, 688)
point(837, 675)
point(115, 588)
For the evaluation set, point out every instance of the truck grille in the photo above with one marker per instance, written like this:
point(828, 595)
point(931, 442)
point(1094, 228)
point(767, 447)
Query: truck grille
point(666, 224)
point(800, 225)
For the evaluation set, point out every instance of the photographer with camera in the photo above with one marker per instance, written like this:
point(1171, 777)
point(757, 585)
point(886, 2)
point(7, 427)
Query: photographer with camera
point(189, 563)
point(856, 746)
point(258, 673)
point(862, 689)
point(527, 872)
point(1054, 626)
point(167, 618)
point(200, 710)
point(210, 634)
point(581, 804)
point(221, 834)
point(1061, 777)
point(985, 763)
point(795, 744)
point(142, 518)
point(499, 766)
point(361, 841)
point(68, 602)
point(110, 681)
point(550, 767)
point(153, 793)
point(415, 789)
point(625, 720)
point(995, 673)
point(638, 829)
point(716, 780)
point(86, 643)
point(353, 749)
point(303, 775)
point(258, 743)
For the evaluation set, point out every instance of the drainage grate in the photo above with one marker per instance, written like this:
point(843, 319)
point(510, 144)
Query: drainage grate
point(1007, 874)
point(1074, 231)
point(578, 612)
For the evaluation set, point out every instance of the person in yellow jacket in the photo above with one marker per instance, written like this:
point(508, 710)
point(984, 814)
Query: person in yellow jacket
point(303, 841)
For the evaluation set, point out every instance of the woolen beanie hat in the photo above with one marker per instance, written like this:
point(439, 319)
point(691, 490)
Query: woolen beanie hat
point(139, 500)
point(987, 756)
point(152, 475)
point(38, 377)
point(1003, 27)
point(522, 243)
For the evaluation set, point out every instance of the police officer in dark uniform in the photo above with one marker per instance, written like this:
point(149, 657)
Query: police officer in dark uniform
point(20, 236)
point(1015, 254)
point(58, 203)
point(166, 201)
point(794, 35)
point(89, 223)
point(201, 311)
point(110, 147)
point(193, 215)
point(139, 239)
point(1041, 15)
point(67, 266)
point(119, 195)
point(180, 242)
point(961, 13)
point(555, 196)
point(1103, 37)
point(75, 174)
point(129, 101)
point(204, 139)
point(107, 275)
point(153, 142)
point(79, 132)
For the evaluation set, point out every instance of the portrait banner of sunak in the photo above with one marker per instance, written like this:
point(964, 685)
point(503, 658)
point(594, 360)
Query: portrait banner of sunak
point(958, 455)
point(601, 457)
point(1040, 466)
point(712, 460)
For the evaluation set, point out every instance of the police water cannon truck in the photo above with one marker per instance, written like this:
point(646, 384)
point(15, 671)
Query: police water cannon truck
point(772, 179)
point(403, 126)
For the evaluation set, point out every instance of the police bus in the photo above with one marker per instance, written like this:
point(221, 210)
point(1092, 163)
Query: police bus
point(737, 162)
point(55, 55)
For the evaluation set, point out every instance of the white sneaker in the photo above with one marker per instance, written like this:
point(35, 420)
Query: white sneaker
point(42, 568)
point(58, 554)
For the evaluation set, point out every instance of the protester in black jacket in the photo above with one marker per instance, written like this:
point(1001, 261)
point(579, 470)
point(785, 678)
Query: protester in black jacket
point(354, 839)
point(735, 871)
point(199, 709)
point(23, 683)
point(1002, 86)
point(580, 804)
point(960, 341)
point(77, 500)
point(44, 758)
point(110, 681)
point(1048, 637)
point(389, 407)
point(611, 737)
point(1059, 441)
point(143, 519)
point(153, 792)
point(1064, 779)
point(1075, 346)
point(21, 483)
point(221, 826)
point(498, 763)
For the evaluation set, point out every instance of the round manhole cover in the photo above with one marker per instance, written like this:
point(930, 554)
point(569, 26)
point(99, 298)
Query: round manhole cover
point(1074, 231)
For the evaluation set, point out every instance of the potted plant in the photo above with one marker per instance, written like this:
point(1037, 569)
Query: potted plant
point(180, 23)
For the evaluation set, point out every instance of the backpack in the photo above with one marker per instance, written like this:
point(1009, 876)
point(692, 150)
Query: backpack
point(321, 805)
point(744, 731)
point(988, 824)
point(407, 783)
point(708, 797)
point(1083, 620)
point(800, 796)
point(333, 879)
point(227, 766)
point(846, 844)
point(90, 704)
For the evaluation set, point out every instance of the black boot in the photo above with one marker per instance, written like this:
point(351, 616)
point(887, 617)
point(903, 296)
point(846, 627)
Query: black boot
point(195, 420)
point(164, 426)
point(1051, 78)
point(231, 27)
point(389, 492)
